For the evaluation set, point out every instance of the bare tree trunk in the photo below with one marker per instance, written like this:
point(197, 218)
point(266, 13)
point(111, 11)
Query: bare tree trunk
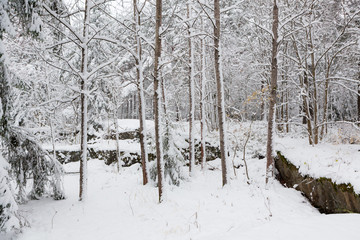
point(314, 97)
point(220, 93)
point(306, 108)
point(359, 104)
point(163, 95)
point(117, 140)
point(142, 102)
point(274, 71)
point(287, 110)
point(191, 92)
point(157, 100)
point(262, 104)
point(326, 93)
point(83, 98)
point(202, 100)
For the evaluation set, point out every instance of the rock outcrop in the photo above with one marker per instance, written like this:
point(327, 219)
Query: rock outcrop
point(129, 158)
point(323, 193)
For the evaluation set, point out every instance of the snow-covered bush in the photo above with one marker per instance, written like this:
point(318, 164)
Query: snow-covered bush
point(173, 159)
point(343, 134)
point(28, 160)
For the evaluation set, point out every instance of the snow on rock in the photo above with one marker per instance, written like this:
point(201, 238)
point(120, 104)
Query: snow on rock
point(126, 125)
point(340, 162)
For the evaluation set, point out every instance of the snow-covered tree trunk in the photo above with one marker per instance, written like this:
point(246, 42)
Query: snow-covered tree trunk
point(270, 167)
point(84, 99)
point(202, 100)
point(314, 90)
point(142, 102)
point(117, 140)
point(157, 100)
point(358, 99)
point(220, 93)
point(191, 89)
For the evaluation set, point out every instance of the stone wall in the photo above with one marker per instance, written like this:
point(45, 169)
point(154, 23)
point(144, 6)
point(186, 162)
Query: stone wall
point(323, 193)
point(129, 158)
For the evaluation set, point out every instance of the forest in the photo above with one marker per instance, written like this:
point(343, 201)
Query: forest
point(179, 119)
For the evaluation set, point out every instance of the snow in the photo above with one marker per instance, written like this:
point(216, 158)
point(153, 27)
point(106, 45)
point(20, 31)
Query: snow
point(340, 162)
point(128, 125)
point(124, 145)
point(119, 207)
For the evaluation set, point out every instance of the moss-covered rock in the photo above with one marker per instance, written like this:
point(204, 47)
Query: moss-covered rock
point(323, 193)
point(130, 158)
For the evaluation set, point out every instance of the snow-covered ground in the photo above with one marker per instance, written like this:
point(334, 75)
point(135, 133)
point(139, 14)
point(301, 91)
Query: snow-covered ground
point(120, 207)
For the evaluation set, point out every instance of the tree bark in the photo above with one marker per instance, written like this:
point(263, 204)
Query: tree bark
point(191, 93)
point(202, 100)
point(272, 102)
point(157, 100)
point(314, 96)
point(142, 102)
point(326, 93)
point(83, 99)
point(117, 140)
point(358, 96)
point(220, 93)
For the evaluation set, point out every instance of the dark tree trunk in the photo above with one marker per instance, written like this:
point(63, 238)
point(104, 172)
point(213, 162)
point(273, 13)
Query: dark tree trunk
point(220, 93)
point(142, 101)
point(358, 97)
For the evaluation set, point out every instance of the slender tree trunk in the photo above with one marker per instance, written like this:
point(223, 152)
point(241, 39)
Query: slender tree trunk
point(220, 93)
point(358, 97)
point(117, 140)
point(177, 111)
point(157, 100)
point(326, 93)
point(287, 110)
point(314, 97)
point(202, 100)
point(163, 95)
point(306, 108)
point(191, 92)
point(274, 72)
point(142, 102)
point(83, 99)
point(5, 89)
point(262, 104)
point(358, 103)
